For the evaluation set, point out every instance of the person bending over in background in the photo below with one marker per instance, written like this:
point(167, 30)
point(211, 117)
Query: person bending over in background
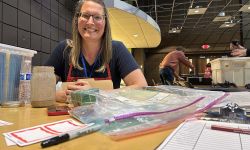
point(92, 54)
point(238, 50)
point(170, 63)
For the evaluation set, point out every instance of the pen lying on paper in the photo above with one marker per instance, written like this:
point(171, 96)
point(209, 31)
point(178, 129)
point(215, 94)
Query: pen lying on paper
point(73, 134)
point(230, 129)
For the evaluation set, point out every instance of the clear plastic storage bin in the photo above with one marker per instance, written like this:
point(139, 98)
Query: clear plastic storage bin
point(13, 65)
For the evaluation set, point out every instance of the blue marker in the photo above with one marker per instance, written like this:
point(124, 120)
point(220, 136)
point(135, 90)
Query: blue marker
point(68, 136)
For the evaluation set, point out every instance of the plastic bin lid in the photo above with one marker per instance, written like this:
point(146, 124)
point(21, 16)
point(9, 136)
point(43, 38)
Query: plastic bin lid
point(17, 50)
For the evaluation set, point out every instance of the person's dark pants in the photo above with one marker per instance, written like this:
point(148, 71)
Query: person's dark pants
point(166, 75)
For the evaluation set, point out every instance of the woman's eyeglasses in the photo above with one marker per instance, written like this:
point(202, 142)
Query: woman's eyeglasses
point(86, 16)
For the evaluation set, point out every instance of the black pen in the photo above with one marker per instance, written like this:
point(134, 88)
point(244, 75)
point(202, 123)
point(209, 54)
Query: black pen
point(73, 134)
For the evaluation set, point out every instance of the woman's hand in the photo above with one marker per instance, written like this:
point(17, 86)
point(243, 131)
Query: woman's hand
point(78, 85)
point(61, 96)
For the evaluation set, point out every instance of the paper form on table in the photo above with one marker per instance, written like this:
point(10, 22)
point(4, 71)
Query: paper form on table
point(198, 135)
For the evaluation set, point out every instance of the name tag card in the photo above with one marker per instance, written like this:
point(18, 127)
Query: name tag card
point(42, 132)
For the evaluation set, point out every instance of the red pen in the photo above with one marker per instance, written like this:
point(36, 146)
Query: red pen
point(230, 129)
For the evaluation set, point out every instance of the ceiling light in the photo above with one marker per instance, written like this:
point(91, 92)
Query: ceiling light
point(245, 8)
point(197, 10)
point(135, 35)
point(221, 18)
point(175, 30)
point(227, 25)
point(222, 14)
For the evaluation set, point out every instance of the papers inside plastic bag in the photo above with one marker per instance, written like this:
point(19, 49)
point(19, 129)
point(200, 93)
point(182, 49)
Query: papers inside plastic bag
point(130, 112)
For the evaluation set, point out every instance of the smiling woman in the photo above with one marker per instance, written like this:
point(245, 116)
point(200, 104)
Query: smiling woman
point(91, 22)
point(92, 54)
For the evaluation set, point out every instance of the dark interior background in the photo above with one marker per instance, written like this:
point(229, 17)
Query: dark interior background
point(196, 30)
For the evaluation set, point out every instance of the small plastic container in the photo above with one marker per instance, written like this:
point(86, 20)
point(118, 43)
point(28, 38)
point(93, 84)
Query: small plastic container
point(11, 60)
point(43, 86)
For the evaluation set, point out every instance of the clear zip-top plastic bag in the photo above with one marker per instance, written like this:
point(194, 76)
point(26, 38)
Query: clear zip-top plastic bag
point(132, 112)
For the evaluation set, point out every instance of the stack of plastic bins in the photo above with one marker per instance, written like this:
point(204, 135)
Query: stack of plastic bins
point(12, 60)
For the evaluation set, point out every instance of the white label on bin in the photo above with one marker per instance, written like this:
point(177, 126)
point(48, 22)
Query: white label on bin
point(28, 76)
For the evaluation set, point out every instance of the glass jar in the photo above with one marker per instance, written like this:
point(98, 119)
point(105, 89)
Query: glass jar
point(43, 86)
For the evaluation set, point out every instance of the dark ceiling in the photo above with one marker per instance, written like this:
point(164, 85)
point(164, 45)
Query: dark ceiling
point(197, 29)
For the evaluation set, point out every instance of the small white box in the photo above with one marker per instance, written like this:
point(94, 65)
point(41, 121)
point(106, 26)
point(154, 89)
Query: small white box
point(233, 69)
